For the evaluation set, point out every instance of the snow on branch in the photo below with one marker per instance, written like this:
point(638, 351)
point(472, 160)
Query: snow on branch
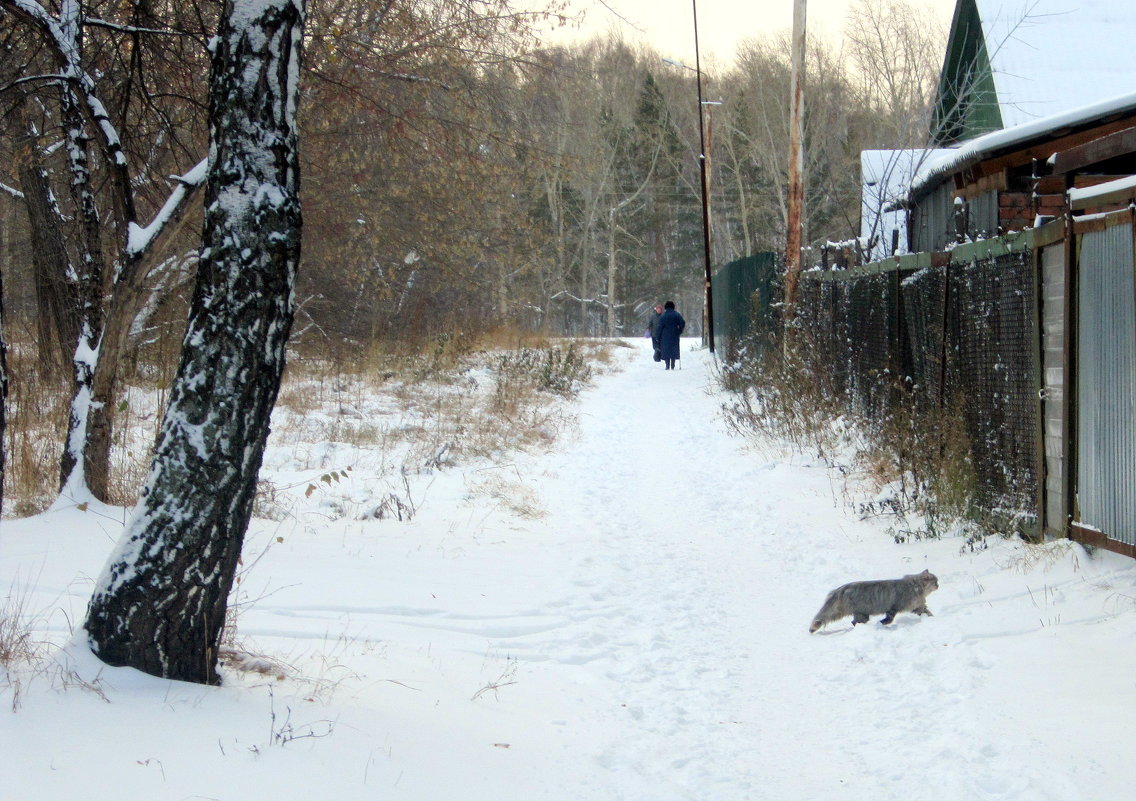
point(95, 22)
point(139, 238)
point(63, 35)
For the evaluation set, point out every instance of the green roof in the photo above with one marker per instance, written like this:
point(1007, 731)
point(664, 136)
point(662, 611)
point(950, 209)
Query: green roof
point(967, 102)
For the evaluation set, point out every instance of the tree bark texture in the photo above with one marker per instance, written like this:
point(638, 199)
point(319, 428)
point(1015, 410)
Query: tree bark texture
point(3, 390)
point(160, 603)
point(57, 323)
point(89, 286)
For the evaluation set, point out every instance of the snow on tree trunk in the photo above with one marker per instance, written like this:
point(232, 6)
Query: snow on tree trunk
point(3, 393)
point(73, 478)
point(160, 602)
point(96, 326)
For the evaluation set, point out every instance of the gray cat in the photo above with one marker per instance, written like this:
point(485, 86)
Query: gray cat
point(888, 598)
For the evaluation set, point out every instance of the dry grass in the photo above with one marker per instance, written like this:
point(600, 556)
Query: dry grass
point(921, 455)
point(509, 492)
point(16, 642)
point(1043, 557)
point(37, 410)
point(778, 396)
point(21, 655)
point(407, 415)
point(455, 399)
point(38, 406)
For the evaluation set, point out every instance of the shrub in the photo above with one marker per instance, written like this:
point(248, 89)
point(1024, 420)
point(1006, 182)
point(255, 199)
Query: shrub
point(922, 456)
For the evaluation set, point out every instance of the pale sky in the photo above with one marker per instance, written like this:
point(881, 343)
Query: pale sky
point(722, 24)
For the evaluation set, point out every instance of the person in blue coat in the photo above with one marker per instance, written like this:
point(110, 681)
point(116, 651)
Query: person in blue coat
point(668, 329)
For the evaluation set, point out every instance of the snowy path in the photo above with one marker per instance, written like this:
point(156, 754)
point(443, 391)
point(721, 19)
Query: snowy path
point(703, 562)
point(643, 638)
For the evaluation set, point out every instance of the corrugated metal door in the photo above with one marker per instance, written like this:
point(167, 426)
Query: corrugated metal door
point(1106, 383)
point(1053, 386)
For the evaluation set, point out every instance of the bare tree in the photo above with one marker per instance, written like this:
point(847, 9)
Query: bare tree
point(897, 51)
point(755, 134)
point(108, 196)
point(160, 603)
point(3, 393)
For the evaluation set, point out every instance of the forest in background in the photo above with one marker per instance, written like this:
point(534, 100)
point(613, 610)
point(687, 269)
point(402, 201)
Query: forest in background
point(459, 177)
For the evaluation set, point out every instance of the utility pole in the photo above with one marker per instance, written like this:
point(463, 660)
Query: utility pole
point(702, 171)
point(793, 231)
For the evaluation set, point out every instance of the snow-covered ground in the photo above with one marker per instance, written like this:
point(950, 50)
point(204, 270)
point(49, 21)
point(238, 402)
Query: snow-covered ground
point(623, 616)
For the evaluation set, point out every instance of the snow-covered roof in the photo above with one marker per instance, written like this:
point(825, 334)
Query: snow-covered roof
point(1049, 56)
point(1109, 190)
point(886, 177)
point(947, 160)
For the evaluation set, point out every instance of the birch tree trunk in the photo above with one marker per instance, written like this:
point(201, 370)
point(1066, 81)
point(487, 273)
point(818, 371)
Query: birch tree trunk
point(89, 289)
point(3, 390)
point(160, 602)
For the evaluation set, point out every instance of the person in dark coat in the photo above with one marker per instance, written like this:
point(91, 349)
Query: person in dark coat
point(669, 328)
point(655, 345)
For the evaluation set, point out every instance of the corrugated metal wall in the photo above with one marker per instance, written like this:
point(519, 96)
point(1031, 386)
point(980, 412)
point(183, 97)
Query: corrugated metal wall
point(1106, 383)
point(982, 214)
point(932, 221)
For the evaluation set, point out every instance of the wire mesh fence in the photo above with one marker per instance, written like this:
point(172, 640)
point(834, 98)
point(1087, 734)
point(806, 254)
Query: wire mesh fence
point(955, 336)
point(991, 363)
point(745, 294)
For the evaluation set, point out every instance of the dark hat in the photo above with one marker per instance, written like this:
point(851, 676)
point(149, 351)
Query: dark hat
point(670, 304)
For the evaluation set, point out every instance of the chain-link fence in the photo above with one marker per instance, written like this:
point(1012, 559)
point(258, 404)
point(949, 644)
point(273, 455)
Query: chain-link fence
point(745, 294)
point(960, 335)
point(853, 320)
point(976, 341)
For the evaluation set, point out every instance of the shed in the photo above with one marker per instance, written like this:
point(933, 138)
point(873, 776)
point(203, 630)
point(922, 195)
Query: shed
point(886, 176)
point(1010, 62)
point(1015, 178)
point(1037, 102)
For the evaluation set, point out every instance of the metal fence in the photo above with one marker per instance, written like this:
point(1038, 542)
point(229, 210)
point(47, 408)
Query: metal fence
point(964, 330)
point(853, 321)
point(1106, 397)
point(958, 336)
point(745, 295)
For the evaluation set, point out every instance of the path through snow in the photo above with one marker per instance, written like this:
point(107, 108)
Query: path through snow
point(644, 638)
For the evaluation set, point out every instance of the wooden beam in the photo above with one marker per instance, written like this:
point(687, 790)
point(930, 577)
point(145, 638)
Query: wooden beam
point(968, 187)
point(1043, 150)
point(1078, 157)
point(1097, 539)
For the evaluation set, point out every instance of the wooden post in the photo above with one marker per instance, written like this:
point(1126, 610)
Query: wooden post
point(793, 235)
point(703, 167)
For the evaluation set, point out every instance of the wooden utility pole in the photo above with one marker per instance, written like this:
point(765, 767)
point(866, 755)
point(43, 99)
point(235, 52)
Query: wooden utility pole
point(795, 220)
point(703, 172)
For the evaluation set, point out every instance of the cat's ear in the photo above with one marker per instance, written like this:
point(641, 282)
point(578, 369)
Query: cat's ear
point(925, 573)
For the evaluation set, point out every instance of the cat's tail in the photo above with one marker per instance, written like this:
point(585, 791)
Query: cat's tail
point(833, 609)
